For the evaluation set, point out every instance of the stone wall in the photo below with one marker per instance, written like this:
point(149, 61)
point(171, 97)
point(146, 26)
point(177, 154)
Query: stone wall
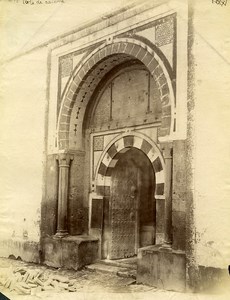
point(23, 112)
point(208, 157)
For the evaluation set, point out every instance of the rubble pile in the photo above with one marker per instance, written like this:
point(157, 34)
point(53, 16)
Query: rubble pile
point(26, 281)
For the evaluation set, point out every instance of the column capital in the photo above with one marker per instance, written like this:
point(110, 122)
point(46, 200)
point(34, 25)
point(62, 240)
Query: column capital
point(64, 159)
point(167, 149)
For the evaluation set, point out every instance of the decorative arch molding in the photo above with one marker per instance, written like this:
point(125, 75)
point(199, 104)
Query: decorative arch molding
point(116, 149)
point(93, 68)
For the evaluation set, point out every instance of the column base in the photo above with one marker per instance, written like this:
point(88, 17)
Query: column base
point(166, 246)
point(61, 234)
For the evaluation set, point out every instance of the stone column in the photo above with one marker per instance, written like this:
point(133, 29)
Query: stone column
point(167, 151)
point(63, 185)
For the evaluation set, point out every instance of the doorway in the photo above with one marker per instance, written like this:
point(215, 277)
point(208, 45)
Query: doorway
point(131, 205)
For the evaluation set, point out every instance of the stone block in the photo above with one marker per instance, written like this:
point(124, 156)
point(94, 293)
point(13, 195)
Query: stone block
point(161, 267)
point(147, 263)
point(152, 66)
point(147, 59)
point(71, 252)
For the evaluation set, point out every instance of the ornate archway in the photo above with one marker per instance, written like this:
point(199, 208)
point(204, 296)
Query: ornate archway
point(109, 159)
point(99, 62)
point(86, 79)
point(117, 148)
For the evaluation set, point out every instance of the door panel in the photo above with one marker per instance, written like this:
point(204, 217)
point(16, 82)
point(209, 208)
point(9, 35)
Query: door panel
point(131, 206)
point(123, 211)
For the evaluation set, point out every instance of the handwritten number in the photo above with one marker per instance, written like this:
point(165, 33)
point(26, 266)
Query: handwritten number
point(221, 2)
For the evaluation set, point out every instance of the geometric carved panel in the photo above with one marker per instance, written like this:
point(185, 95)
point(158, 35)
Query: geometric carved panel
point(164, 33)
point(66, 66)
point(98, 143)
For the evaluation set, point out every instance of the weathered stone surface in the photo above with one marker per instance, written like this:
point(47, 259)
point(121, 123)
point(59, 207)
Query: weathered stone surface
point(123, 270)
point(49, 202)
point(70, 252)
point(161, 268)
point(21, 249)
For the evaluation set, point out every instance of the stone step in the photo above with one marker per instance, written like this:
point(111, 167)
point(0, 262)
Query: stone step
point(127, 274)
point(102, 267)
point(119, 263)
point(106, 268)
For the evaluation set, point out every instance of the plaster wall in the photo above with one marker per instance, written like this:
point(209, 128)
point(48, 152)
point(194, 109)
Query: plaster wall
point(22, 125)
point(212, 161)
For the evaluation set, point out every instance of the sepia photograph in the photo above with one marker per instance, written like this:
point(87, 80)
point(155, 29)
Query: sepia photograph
point(115, 149)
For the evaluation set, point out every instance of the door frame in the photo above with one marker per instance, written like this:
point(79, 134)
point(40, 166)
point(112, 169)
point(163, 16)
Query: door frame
point(101, 179)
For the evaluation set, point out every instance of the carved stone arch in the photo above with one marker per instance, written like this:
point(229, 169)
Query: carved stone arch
point(118, 147)
point(94, 67)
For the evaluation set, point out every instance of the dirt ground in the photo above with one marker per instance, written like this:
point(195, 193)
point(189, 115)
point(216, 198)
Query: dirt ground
point(83, 284)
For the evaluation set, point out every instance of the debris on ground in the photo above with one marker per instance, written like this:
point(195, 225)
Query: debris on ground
point(26, 281)
point(22, 278)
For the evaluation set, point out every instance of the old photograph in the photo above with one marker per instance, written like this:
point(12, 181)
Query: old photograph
point(115, 149)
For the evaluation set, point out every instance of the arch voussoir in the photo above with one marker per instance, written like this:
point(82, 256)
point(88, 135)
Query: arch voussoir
point(113, 154)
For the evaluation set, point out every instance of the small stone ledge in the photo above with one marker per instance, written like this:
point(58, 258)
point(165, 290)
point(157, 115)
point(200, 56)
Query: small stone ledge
point(80, 238)
point(19, 248)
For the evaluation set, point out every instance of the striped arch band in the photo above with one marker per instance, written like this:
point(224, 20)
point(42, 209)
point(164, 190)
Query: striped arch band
point(113, 154)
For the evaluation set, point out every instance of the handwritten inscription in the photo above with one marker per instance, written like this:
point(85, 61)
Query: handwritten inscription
point(34, 2)
point(220, 2)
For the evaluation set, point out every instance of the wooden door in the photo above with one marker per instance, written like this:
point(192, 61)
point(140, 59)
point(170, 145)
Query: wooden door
point(124, 210)
point(131, 206)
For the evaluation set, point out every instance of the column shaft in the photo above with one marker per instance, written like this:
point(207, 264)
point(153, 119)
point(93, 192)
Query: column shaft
point(168, 193)
point(63, 185)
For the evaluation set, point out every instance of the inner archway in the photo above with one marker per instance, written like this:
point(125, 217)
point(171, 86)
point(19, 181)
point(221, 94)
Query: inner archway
point(132, 206)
